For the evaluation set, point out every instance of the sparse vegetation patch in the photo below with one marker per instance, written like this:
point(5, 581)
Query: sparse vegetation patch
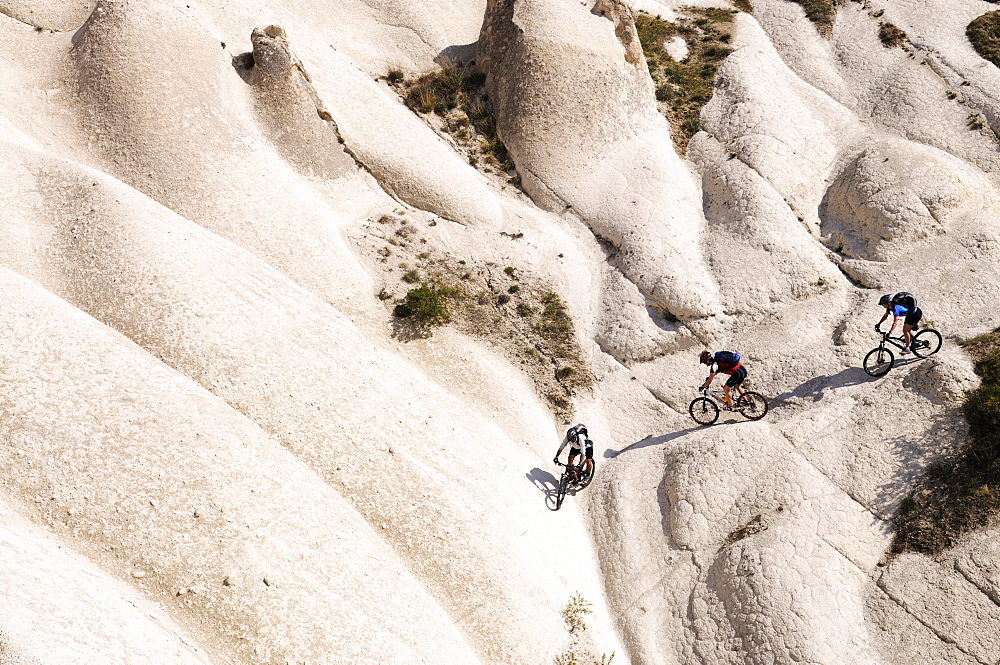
point(820, 12)
point(960, 494)
point(574, 613)
point(984, 33)
point(455, 98)
point(523, 317)
point(890, 35)
point(683, 88)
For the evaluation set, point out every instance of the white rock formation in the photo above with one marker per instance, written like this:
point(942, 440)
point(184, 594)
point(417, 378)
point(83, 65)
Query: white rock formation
point(575, 107)
point(213, 450)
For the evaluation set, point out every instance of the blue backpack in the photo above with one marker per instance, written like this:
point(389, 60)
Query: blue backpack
point(727, 359)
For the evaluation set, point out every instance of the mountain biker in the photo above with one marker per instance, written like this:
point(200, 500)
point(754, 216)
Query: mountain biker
point(579, 444)
point(726, 362)
point(904, 305)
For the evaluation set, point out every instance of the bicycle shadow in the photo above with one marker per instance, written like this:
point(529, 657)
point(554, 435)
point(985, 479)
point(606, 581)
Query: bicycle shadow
point(543, 480)
point(549, 486)
point(651, 441)
point(814, 388)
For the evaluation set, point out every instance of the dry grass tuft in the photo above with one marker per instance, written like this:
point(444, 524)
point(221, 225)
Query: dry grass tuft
point(890, 35)
point(984, 33)
point(820, 12)
point(457, 98)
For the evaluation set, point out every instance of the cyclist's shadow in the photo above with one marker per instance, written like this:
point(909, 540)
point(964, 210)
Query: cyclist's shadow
point(547, 484)
point(543, 480)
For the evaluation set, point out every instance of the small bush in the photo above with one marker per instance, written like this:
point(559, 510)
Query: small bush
point(743, 6)
point(394, 76)
point(574, 613)
point(509, 271)
point(890, 35)
point(984, 34)
point(411, 277)
point(426, 304)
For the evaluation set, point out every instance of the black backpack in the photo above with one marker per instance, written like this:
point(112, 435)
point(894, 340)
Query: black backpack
point(727, 359)
point(904, 299)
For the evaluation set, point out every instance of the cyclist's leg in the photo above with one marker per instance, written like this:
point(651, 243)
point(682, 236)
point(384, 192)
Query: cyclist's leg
point(589, 456)
point(735, 380)
point(909, 323)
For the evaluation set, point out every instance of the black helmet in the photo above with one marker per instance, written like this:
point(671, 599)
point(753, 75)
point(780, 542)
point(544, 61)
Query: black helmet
point(705, 358)
point(574, 432)
point(884, 300)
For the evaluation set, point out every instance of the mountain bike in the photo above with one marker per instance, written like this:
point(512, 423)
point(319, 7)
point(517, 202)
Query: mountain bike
point(705, 409)
point(880, 360)
point(574, 478)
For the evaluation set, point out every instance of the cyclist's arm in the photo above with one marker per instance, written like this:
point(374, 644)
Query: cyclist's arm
point(565, 442)
point(885, 315)
point(708, 381)
point(895, 320)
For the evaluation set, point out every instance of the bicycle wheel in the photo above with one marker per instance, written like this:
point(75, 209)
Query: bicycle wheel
point(925, 343)
point(704, 411)
point(752, 405)
point(586, 478)
point(879, 361)
point(561, 490)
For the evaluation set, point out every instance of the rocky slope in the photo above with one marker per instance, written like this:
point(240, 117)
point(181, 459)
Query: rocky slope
point(217, 445)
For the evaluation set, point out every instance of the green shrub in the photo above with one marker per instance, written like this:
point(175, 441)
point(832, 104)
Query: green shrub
point(745, 6)
point(959, 494)
point(411, 277)
point(984, 33)
point(426, 304)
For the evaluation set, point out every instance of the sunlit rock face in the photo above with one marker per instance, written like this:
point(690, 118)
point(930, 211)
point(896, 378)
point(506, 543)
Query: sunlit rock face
point(575, 107)
point(218, 445)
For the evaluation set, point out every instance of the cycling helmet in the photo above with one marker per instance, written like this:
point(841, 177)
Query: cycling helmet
point(573, 433)
point(884, 300)
point(705, 358)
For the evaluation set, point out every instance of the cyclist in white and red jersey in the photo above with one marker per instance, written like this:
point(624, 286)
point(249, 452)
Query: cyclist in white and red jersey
point(725, 362)
point(579, 444)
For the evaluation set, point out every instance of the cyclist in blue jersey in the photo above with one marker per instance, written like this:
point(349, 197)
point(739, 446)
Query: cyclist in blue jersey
point(902, 305)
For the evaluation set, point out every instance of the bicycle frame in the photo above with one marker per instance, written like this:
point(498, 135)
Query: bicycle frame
point(898, 342)
point(720, 395)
